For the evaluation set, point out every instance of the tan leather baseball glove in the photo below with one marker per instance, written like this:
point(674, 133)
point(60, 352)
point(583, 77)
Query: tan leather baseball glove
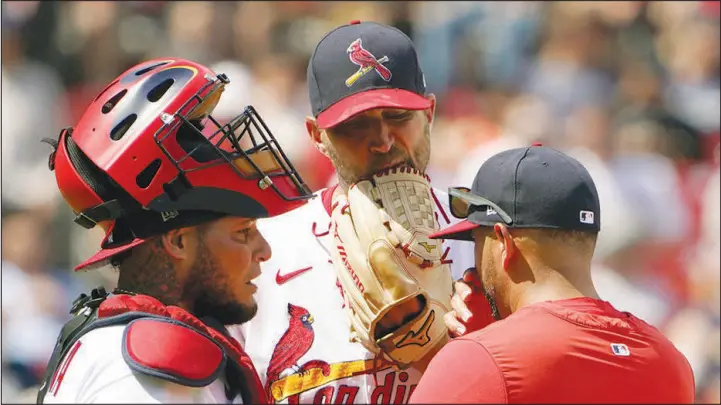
point(384, 258)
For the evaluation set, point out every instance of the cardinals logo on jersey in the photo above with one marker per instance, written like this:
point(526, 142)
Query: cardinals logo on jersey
point(294, 344)
point(366, 62)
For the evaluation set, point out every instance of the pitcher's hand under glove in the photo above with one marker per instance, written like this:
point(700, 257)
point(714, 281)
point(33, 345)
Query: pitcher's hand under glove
point(384, 259)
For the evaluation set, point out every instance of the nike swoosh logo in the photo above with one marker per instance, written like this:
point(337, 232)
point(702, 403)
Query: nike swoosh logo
point(284, 278)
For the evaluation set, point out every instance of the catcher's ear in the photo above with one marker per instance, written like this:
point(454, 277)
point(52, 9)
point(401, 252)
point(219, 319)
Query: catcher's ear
point(177, 243)
point(315, 134)
point(508, 246)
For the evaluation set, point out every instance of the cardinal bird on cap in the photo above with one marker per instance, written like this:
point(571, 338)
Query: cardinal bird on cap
point(367, 61)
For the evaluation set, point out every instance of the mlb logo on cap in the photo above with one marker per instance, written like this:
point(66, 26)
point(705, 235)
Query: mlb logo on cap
point(620, 349)
point(586, 217)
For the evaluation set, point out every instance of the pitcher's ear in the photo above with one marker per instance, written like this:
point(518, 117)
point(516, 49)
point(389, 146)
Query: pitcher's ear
point(315, 134)
point(431, 111)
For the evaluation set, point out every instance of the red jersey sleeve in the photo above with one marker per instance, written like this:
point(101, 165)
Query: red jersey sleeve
point(462, 372)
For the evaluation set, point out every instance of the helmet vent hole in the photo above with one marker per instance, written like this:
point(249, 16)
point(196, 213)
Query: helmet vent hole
point(145, 177)
point(122, 127)
point(149, 68)
point(107, 107)
point(106, 89)
point(158, 91)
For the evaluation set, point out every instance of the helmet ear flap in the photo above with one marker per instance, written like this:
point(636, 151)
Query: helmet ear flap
point(88, 190)
point(71, 179)
point(89, 173)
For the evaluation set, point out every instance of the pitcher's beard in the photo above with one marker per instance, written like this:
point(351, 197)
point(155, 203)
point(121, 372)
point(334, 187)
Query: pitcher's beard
point(349, 175)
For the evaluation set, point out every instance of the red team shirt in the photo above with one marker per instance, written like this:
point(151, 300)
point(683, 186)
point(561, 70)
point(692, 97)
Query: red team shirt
point(578, 350)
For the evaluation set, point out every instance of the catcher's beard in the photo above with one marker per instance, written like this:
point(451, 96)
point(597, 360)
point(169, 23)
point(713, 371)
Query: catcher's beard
point(348, 174)
point(212, 297)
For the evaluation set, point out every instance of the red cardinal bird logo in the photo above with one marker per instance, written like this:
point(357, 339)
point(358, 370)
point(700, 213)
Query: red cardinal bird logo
point(367, 62)
point(294, 343)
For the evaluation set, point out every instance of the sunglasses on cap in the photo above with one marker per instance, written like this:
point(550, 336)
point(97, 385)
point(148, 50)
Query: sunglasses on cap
point(462, 203)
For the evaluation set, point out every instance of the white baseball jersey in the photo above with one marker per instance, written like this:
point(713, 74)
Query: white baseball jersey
point(300, 301)
point(94, 371)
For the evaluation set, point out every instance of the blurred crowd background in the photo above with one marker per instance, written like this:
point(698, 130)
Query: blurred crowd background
point(631, 89)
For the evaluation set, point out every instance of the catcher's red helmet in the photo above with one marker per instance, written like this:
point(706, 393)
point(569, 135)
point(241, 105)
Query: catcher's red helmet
point(141, 160)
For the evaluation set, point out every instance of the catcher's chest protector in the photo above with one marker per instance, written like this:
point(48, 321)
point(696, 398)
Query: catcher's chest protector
point(141, 325)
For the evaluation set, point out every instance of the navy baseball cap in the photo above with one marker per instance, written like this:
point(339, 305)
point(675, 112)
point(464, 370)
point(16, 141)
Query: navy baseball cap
point(361, 66)
point(531, 187)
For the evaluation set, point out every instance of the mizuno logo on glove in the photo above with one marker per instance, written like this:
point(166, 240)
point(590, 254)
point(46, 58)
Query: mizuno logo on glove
point(428, 247)
point(420, 338)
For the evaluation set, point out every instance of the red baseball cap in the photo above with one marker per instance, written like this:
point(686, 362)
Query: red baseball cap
point(361, 66)
point(102, 257)
point(139, 228)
